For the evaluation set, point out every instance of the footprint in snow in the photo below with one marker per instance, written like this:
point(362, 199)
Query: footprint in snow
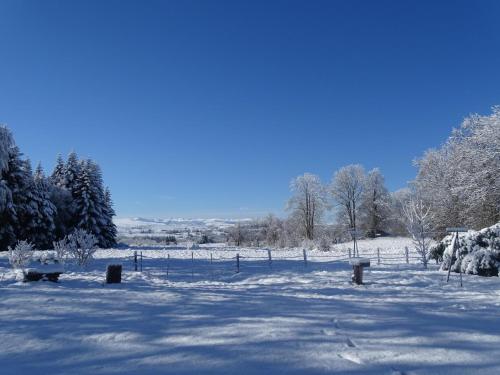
point(351, 357)
point(350, 343)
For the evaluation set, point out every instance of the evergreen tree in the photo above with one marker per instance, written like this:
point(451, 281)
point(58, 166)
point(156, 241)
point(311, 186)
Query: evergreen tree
point(58, 177)
point(8, 216)
point(109, 229)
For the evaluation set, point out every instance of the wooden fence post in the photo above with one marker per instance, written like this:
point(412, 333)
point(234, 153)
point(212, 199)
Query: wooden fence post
point(305, 257)
point(378, 255)
point(407, 255)
point(237, 263)
point(269, 257)
point(349, 252)
point(135, 260)
point(192, 265)
point(141, 261)
point(168, 264)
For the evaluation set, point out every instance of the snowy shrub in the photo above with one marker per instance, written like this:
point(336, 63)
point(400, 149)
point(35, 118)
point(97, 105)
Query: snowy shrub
point(478, 252)
point(81, 246)
point(482, 263)
point(64, 249)
point(21, 254)
point(324, 244)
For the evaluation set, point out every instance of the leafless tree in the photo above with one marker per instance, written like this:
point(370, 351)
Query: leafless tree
point(308, 203)
point(347, 189)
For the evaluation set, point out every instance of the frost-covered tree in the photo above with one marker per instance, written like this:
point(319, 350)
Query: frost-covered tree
point(418, 218)
point(81, 245)
point(21, 254)
point(462, 178)
point(347, 188)
point(307, 204)
point(375, 209)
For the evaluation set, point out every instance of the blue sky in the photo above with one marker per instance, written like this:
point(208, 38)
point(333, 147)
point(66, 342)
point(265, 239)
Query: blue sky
point(209, 108)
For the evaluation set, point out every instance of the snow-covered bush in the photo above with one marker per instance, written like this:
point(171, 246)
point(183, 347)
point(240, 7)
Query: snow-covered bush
point(324, 244)
point(79, 245)
point(21, 255)
point(478, 252)
point(482, 262)
point(64, 249)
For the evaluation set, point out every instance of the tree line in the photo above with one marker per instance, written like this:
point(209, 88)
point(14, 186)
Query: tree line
point(42, 209)
point(457, 184)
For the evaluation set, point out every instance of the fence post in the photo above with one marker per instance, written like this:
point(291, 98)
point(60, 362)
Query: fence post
point(168, 264)
point(269, 257)
point(141, 261)
point(349, 252)
point(378, 255)
point(407, 255)
point(305, 257)
point(192, 265)
point(135, 260)
point(237, 263)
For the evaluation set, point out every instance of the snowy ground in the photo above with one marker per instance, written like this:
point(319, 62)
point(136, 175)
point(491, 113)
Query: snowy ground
point(287, 318)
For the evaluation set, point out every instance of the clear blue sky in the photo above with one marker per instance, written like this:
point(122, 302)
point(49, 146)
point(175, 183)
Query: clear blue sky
point(209, 108)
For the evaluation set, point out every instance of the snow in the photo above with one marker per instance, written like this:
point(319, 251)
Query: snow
point(286, 318)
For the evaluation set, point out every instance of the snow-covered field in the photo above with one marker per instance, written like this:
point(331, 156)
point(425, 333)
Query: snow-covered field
point(280, 318)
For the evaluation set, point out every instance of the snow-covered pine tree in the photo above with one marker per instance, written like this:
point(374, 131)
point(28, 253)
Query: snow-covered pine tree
point(71, 172)
point(8, 216)
point(109, 229)
point(58, 177)
point(89, 201)
point(42, 232)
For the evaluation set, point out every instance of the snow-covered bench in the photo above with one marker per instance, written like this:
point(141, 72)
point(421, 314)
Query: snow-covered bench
point(39, 271)
point(357, 268)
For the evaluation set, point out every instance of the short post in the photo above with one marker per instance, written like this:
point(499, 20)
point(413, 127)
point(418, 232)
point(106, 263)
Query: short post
point(141, 261)
point(305, 257)
point(114, 274)
point(135, 260)
point(269, 257)
point(349, 252)
point(357, 269)
point(407, 255)
point(378, 255)
point(168, 264)
point(192, 265)
point(237, 263)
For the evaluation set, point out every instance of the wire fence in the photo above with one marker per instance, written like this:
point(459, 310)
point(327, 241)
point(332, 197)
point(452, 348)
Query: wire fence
point(228, 263)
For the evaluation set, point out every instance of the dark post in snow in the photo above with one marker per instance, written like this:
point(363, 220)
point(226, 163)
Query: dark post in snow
point(192, 265)
point(407, 255)
point(378, 255)
point(455, 230)
point(305, 256)
point(168, 264)
point(141, 261)
point(135, 261)
point(237, 263)
point(114, 274)
point(269, 257)
point(357, 269)
point(349, 252)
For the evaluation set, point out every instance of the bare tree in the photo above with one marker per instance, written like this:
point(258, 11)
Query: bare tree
point(347, 189)
point(418, 218)
point(375, 204)
point(308, 203)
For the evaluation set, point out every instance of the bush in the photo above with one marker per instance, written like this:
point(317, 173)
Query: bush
point(79, 245)
point(482, 263)
point(21, 255)
point(324, 244)
point(478, 252)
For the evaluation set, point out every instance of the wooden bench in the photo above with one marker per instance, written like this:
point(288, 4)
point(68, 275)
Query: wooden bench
point(36, 272)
